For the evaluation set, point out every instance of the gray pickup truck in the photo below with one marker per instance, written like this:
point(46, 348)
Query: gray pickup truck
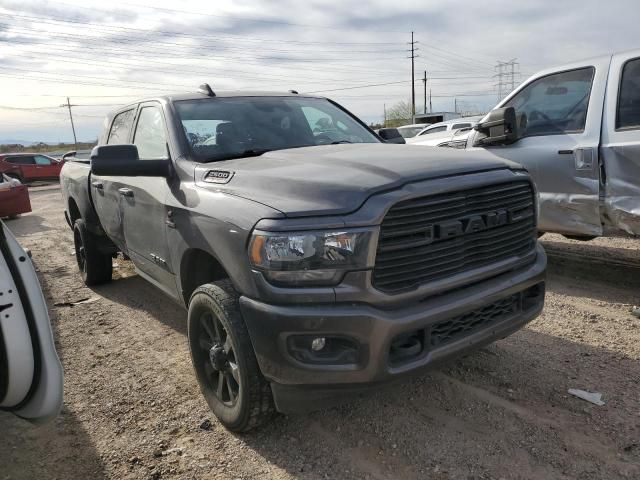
point(315, 260)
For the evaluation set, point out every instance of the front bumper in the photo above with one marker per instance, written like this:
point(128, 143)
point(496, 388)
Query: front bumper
point(297, 385)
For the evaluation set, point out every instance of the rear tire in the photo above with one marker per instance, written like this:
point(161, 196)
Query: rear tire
point(95, 266)
point(224, 360)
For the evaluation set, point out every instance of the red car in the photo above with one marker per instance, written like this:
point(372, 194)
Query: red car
point(14, 197)
point(28, 167)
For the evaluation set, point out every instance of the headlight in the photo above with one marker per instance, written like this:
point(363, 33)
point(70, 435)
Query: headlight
point(311, 258)
point(453, 144)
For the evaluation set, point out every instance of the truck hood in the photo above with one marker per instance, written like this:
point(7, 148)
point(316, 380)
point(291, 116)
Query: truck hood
point(338, 179)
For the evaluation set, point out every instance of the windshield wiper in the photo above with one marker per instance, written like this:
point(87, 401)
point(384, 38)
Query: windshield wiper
point(340, 141)
point(252, 152)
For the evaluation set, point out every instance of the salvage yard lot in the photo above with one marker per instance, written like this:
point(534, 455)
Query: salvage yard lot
point(133, 408)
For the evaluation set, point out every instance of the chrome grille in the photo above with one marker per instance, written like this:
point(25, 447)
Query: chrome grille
point(410, 251)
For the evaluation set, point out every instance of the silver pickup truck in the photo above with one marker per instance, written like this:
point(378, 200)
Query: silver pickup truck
point(578, 135)
point(314, 260)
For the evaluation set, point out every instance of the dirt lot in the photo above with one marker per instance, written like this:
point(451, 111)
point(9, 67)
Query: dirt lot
point(133, 408)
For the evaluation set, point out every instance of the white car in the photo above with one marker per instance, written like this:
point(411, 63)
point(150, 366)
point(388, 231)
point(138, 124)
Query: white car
point(30, 371)
point(438, 133)
point(410, 131)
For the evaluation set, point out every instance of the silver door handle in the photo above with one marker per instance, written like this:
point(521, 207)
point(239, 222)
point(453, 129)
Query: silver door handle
point(125, 192)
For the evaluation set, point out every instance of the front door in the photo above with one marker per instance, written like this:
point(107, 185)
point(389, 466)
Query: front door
point(621, 144)
point(559, 144)
point(143, 202)
point(45, 167)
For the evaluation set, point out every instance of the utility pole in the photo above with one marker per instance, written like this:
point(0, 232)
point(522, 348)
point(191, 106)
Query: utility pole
point(413, 78)
point(73, 128)
point(430, 106)
point(385, 115)
point(424, 80)
point(455, 104)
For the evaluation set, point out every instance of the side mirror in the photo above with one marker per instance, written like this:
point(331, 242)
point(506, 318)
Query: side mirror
point(500, 127)
point(69, 154)
point(391, 135)
point(123, 161)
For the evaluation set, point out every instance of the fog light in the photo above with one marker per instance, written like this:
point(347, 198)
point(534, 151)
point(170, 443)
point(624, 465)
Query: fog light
point(318, 344)
point(323, 350)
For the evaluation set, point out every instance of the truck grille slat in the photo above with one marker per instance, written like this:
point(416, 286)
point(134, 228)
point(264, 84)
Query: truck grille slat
point(441, 254)
point(411, 251)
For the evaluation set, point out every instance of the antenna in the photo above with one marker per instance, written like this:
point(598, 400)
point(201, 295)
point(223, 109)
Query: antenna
point(205, 89)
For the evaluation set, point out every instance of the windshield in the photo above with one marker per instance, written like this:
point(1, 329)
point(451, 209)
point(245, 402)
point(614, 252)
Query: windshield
point(408, 132)
point(224, 128)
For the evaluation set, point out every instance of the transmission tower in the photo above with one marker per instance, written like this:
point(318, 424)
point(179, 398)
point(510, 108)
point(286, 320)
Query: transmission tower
point(507, 76)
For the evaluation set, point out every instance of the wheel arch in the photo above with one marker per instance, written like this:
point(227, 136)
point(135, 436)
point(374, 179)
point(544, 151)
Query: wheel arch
point(198, 267)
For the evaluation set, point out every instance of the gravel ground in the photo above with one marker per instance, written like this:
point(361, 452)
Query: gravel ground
point(133, 408)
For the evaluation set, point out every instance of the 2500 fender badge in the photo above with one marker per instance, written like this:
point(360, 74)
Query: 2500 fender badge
point(218, 176)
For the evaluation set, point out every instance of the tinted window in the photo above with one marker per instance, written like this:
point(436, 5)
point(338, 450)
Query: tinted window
point(556, 103)
point(151, 136)
point(409, 132)
point(120, 128)
point(434, 130)
point(42, 160)
point(629, 100)
point(23, 160)
point(224, 128)
point(460, 125)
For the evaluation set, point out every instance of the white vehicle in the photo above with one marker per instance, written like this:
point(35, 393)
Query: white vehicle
point(439, 133)
point(30, 371)
point(576, 129)
point(409, 131)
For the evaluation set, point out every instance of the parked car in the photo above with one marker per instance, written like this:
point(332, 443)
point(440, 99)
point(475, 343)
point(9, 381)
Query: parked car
point(310, 271)
point(409, 131)
point(576, 129)
point(30, 371)
point(14, 197)
point(438, 133)
point(29, 167)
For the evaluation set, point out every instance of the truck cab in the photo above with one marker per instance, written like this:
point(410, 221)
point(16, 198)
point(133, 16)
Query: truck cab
point(579, 137)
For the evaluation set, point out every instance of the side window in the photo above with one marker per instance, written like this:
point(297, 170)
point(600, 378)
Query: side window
point(628, 115)
point(150, 136)
point(120, 128)
point(460, 125)
point(22, 160)
point(434, 130)
point(555, 104)
point(42, 160)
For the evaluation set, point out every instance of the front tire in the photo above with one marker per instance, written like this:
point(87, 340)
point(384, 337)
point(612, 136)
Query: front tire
point(95, 266)
point(224, 361)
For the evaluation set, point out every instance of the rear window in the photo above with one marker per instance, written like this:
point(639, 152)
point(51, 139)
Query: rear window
point(628, 115)
point(460, 125)
point(434, 130)
point(120, 128)
point(22, 160)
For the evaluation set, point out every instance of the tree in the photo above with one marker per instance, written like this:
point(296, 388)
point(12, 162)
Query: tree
point(399, 114)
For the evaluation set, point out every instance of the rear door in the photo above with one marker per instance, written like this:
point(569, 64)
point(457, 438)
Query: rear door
point(559, 144)
point(620, 149)
point(144, 213)
point(26, 165)
point(105, 189)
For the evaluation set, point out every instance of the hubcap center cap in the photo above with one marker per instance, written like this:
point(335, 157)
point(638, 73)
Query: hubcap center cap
point(218, 357)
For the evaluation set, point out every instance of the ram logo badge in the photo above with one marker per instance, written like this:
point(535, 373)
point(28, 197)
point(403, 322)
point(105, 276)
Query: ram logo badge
point(475, 223)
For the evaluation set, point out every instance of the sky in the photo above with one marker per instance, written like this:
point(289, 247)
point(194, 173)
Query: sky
point(105, 54)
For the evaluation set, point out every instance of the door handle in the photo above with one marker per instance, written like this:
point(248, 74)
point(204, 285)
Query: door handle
point(97, 185)
point(565, 152)
point(125, 192)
